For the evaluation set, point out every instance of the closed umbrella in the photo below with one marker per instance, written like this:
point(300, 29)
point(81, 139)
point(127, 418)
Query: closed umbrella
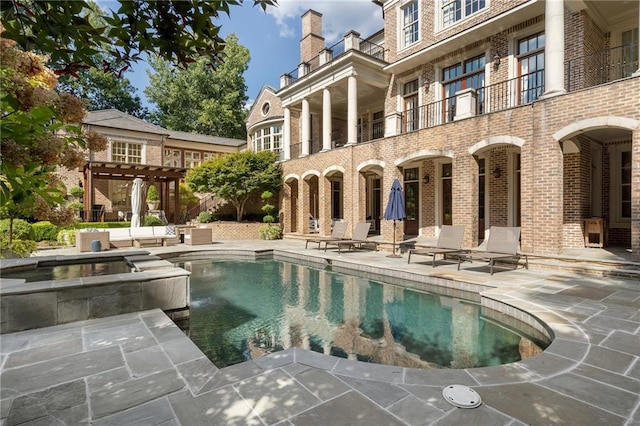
point(136, 202)
point(395, 210)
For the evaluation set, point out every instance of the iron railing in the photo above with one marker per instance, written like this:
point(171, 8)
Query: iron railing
point(601, 67)
point(366, 47)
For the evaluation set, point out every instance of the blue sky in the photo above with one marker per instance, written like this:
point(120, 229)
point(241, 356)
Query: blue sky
point(273, 37)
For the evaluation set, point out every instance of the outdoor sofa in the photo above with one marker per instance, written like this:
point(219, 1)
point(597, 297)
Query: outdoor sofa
point(143, 236)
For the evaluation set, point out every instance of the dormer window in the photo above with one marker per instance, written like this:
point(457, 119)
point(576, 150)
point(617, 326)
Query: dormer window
point(456, 10)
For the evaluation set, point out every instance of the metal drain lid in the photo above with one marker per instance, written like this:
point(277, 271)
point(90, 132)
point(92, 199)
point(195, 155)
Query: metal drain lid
point(461, 396)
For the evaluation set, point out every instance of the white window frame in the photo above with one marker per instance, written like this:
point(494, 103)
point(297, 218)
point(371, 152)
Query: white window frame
point(616, 220)
point(402, 44)
point(169, 157)
point(440, 5)
point(128, 143)
point(274, 136)
point(400, 91)
point(190, 160)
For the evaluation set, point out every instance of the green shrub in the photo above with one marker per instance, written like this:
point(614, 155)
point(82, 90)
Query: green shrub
point(45, 231)
point(21, 229)
point(205, 217)
point(67, 237)
point(152, 221)
point(19, 248)
point(152, 194)
point(76, 205)
point(270, 232)
point(76, 192)
point(102, 225)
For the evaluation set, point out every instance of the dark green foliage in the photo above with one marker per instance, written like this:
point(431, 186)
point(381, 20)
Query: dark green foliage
point(45, 231)
point(205, 217)
point(236, 177)
point(22, 230)
point(70, 32)
point(152, 221)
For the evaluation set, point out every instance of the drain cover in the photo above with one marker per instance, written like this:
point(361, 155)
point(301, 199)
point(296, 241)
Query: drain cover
point(461, 396)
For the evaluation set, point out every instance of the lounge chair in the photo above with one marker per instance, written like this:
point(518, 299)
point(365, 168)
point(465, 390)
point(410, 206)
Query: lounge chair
point(358, 240)
point(337, 233)
point(503, 243)
point(449, 241)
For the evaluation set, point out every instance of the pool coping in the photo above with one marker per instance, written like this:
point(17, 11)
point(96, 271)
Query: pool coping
point(564, 357)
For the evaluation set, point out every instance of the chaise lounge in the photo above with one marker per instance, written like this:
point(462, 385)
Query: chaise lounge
point(502, 244)
point(358, 240)
point(337, 233)
point(449, 241)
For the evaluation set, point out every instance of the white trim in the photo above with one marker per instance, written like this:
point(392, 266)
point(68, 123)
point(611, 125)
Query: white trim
point(332, 169)
point(290, 177)
point(400, 25)
point(370, 164)
point(615, 220)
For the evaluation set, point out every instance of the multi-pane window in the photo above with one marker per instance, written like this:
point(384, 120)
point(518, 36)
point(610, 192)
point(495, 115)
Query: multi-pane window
point(206, 156)
point(447, 194)
point(126, 152)
point(411, 110)
point(410, 21)
point(464, 75)
point(457, 10)
point(336, 199)
point(276, 138)
point(172, 158)
point(192, 159)
point(629, 52)
point(531, 68)
point(267, 139)
point(625, 185)
point(378, 125)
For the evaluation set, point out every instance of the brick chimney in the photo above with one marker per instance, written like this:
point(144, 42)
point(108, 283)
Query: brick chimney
point(312, 41)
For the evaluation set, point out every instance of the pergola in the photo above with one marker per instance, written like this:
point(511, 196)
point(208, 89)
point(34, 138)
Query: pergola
point(127, 172)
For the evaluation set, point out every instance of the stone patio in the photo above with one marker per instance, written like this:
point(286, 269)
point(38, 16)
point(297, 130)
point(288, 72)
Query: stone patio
point(141, 369)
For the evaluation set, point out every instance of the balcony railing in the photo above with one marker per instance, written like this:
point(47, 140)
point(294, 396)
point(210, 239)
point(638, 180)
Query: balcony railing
point(580, 73)
point(335, 51)
point(601, 67)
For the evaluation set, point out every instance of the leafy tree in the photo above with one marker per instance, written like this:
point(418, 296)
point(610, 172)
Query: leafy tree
point(236, 177)
point(37, 134)
point(195, 100)
point(35, 125)
point(178, 30)
point(102, 90)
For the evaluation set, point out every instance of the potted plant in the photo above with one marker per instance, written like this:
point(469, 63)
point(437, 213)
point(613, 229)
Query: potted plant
point(153, 198)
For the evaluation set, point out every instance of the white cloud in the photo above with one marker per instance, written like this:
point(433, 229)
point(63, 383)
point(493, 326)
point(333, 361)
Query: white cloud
point(338, 17)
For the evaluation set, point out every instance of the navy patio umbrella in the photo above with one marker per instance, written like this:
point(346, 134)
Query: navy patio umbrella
point(395, 210)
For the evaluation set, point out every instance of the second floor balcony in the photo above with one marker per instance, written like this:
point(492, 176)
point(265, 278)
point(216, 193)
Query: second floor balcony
point(581, 73)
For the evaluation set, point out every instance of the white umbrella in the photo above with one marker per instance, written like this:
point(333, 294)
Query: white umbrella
point(136, 202)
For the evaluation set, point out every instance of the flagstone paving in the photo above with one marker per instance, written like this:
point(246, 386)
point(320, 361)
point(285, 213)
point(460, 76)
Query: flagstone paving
point(141, 369)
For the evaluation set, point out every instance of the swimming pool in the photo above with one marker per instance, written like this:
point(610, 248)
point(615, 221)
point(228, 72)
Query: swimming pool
point(241, 310)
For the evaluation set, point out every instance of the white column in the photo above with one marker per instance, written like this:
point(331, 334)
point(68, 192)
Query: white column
point(554, 48)
point(286, 134)
point(326, 120)
point(352, 110)
point(306, 128)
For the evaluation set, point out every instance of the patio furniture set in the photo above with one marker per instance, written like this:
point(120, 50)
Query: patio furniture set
point(141, 237)
point(502, 245)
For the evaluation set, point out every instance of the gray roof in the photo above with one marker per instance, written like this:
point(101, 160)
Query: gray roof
point(197, 137)
point(116, 119)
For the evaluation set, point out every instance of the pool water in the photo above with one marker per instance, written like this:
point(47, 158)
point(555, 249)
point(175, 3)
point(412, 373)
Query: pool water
point(65, 272)
point(241, 310)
